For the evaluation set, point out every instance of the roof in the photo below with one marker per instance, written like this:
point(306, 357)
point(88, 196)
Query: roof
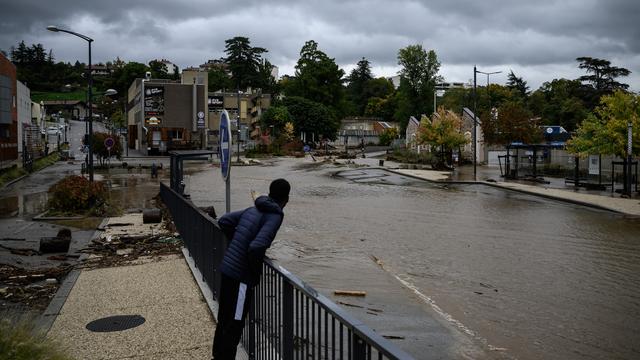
point(63, 102)
point(414, 120)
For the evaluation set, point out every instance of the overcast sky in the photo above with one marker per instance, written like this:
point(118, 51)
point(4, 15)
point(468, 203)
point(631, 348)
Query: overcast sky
point(538, 40)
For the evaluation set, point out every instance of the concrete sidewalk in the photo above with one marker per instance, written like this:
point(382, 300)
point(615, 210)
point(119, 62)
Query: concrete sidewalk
point(178, 323)
point(604, 200)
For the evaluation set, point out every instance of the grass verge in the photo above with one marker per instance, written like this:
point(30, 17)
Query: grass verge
point(38, 164)
point(21, 340)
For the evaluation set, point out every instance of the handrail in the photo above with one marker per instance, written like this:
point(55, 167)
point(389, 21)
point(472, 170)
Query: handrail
point(286, 317)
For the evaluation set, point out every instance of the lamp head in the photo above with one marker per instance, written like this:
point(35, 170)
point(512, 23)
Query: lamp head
point(53, 28)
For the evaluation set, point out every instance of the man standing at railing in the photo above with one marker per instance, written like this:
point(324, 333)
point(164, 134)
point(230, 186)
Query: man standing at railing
point(251, 232)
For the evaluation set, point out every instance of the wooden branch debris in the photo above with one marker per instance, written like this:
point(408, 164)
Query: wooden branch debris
point(349, 293)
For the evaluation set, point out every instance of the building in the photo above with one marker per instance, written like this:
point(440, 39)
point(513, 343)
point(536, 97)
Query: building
point(23, 101)
point(8, 113)
point(101, 70)
point(251, 104)
point(356, 130)
point(164, 115)
point(172, 69)
point(70, 109)
point(411, 133)
point(467, 129)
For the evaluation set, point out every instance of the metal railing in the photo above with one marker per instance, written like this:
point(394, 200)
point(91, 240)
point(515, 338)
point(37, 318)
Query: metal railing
point(288, 319)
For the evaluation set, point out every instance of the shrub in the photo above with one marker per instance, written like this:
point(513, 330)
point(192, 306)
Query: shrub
point(76, 194)
point(22, 341)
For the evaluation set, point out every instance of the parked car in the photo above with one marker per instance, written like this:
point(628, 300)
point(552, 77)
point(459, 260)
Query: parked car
point(53, 130)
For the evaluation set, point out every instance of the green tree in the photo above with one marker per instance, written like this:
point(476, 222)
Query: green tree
point(518, 85)
point(601, 79)
point(601, 75)
point(276, 116)
point(442, 133)
point(101, 151)
point(159, 70)
point(311, 117)
point(559, 102)
point(219, 79)
point(357, 81)
point(387, 136)
point(122, 77)
point(384, 108)
point(510, 122)
point(419, 75)
point(243, 60)
point(317, 78)
point(605, 130)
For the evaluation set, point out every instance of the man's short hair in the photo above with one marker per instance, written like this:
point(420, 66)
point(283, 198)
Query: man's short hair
point(279, 190)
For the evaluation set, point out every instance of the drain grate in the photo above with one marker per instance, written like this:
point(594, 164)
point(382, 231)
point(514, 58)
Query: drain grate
point(115, 323)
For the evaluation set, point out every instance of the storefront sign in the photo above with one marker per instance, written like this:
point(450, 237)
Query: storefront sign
point(153, 104)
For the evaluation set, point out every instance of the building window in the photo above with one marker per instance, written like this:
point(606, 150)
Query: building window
point(6, 100)
point(175, 134)
point(4, 131)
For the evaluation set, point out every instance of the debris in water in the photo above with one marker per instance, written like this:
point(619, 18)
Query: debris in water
point(393, 337)
point(350, 292)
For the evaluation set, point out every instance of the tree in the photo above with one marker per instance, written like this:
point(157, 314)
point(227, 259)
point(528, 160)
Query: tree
point(419, 75)
point(510, 122)
point(600, 79)
point(123, 77)
point(243, 61)
point(159, 70)
point(311, 117)
point(388, 135)
point(317, 78)
point(605, 130)
point(517, 84)
point(441, 132)
point(219, 79)
point(357, 81)
point(602, 76)
point(559, 102)
point(276, 116)
point(101, 151)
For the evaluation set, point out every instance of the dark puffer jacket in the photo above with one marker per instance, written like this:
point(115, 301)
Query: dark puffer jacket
point(251, 232)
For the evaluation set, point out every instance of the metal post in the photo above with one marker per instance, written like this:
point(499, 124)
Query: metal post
point(287, 320)
point(629, 153)
point(359, 348)
point(475, 121)
point(90, 117)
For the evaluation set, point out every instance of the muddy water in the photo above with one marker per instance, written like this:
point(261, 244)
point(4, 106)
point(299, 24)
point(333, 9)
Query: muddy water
point(519, 276)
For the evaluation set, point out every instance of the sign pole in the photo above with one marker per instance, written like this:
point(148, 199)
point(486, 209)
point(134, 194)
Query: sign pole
point(225, 154)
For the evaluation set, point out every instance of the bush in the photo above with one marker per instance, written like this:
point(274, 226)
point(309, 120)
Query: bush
point(23, 341)
point(411, 157)
point(77, 194)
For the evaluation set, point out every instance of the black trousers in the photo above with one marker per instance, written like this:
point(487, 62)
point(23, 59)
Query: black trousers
point(235, 301)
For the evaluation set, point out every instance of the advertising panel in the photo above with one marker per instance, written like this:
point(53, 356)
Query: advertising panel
point(215, 102)
point(153, 104)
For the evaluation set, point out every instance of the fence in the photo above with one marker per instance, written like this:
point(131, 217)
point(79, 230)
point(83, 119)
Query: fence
point(288, 318)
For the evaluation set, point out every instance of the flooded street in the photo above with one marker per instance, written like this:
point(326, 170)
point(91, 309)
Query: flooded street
point(516, 275)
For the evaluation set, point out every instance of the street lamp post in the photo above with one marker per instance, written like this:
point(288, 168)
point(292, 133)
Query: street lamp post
point(629, 154)
point(475, 117)
point(90, 81)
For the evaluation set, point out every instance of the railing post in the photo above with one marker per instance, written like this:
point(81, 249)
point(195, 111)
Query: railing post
point(287, 320)
point(252, 328)
point(359, 347)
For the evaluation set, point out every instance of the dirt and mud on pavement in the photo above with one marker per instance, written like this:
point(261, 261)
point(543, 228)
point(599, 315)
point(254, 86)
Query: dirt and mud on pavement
point(128, 238)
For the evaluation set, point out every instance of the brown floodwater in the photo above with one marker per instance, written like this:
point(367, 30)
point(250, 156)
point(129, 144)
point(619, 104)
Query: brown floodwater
point(517, 275)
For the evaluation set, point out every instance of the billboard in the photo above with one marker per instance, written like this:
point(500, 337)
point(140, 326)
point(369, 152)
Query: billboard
point(153, 104)
point(215, 102)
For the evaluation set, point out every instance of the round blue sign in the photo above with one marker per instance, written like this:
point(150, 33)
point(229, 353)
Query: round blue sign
point(109, 142)
point(225, 144)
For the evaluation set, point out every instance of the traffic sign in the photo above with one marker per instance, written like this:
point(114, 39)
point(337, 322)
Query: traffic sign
point(109, 142)
point(225, 144)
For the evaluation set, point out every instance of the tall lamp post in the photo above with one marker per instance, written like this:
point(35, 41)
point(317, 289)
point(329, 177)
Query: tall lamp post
point(90, 85)
point(475, 116)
